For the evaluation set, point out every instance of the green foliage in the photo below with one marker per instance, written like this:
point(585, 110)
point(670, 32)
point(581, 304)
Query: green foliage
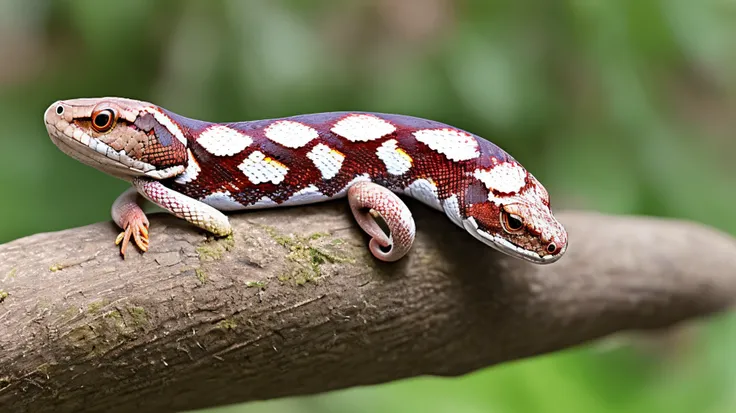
point(619, 106)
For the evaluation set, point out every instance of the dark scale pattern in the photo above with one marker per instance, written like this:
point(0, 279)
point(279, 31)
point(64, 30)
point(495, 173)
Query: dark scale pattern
point(222, 173)
point(147, 123)
point(162, 156)
point(160, 148)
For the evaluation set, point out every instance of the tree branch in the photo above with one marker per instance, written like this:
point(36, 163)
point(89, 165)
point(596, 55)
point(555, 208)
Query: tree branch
point(197, 322)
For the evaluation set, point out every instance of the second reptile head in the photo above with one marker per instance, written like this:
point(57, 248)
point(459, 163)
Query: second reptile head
point(507, 208)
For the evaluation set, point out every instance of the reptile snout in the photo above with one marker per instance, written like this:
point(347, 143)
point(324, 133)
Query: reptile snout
point(554, 245)
point(55, 112)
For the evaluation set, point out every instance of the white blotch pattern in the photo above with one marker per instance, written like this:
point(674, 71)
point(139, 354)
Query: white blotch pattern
point(454, 144)
point(397, 161)
point(290, 134)
point(327, 160)
point(167, 123)
point(307, 195)
point(452, 210)
point(540, 190)
point(220, 140)
point(424, 191)
point(362, 128)
point(260, 169)
point(192, 171)
point(222, 201)
point(507, 177)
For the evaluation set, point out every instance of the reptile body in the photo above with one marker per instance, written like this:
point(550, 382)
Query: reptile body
point(197, 170)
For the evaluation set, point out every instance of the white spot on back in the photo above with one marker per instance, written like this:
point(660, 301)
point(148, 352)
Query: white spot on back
point(362, 128)
point(307, 195)
point(192, 171)
point(222, 201)
point(454, 144)
point(507, 177)
point(260, 169)
point(396, 160)
point(290, 134)
point(220, 140)
point(328, 161)
point(424, 191)
point(167, 123)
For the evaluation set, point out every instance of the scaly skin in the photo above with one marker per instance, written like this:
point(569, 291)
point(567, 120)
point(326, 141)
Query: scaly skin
point(196, 169)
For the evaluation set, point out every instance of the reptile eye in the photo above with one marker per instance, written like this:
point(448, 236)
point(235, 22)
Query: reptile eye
point(551, 247)
point(103, 120)
point(59, 110)
point(511, 223)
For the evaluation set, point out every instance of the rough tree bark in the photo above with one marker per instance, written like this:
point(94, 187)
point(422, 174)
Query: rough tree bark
point(197, 322)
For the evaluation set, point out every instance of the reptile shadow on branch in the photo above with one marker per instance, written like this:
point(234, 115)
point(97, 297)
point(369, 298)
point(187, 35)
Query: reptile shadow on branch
point(294, 304)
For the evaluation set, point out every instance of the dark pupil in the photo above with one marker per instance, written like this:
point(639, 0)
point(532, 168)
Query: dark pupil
point(551, 248)
point(514, 223)
point(59, 110)
point(101, 120)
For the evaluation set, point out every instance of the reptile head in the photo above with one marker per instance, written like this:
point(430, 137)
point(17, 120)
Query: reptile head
point(506, 208)
point(122, 137)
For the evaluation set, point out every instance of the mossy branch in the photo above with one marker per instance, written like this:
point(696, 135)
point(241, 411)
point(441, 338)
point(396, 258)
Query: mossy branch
point(294, 304)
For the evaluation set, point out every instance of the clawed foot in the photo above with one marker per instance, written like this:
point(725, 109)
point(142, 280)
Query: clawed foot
point(137, 227)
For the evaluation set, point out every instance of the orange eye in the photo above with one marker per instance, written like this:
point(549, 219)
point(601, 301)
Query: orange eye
point(103, 120)
point(513, 224)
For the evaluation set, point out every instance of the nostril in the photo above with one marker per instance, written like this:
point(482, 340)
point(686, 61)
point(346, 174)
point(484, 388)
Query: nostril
point(551, 247)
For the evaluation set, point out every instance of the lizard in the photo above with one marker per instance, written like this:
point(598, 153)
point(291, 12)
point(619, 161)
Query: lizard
point(198, 171)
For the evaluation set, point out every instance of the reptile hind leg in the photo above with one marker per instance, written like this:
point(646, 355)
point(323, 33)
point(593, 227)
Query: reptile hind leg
point(365, 197)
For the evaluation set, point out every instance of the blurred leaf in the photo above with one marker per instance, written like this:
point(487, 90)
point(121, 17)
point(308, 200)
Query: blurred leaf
point(108, 30)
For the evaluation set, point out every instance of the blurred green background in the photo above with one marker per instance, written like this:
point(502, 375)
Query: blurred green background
point(623, 106)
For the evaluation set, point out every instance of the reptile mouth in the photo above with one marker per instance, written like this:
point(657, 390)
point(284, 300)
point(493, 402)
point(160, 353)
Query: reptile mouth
point(75, 142)
point(507, 247)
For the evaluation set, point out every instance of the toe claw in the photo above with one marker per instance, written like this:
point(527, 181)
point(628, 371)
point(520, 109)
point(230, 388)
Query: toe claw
point(137, 229)
point(141, 240)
